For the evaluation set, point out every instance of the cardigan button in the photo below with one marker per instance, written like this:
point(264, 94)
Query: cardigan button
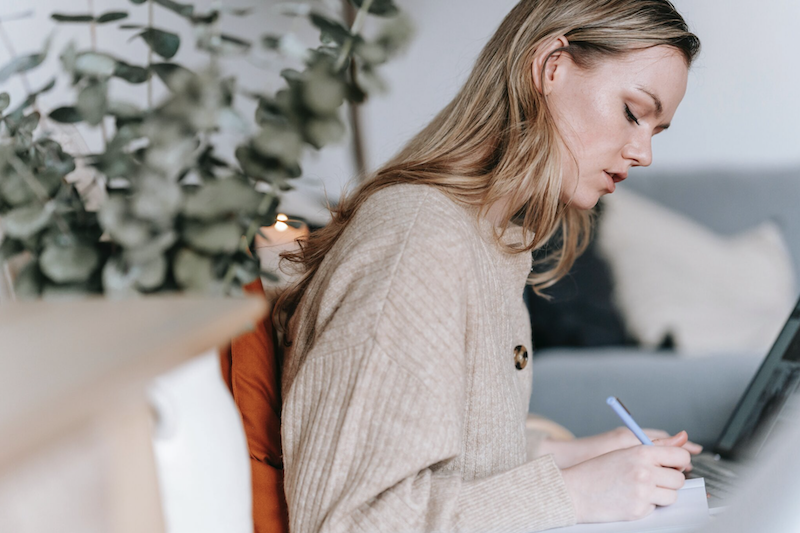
point(520, 357)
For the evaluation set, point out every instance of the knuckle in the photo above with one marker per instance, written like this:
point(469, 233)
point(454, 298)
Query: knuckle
point(641, 475)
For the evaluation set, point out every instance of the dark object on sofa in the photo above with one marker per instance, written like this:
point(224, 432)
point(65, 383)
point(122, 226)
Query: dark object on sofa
point(581, 312)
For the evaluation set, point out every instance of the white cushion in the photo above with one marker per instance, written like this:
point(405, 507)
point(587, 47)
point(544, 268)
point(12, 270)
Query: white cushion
point(713, 293)
point(201, 454)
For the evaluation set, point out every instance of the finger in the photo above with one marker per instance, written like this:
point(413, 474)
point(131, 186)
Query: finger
point(679, 439)
point(656, 433)
point(664, 497)
point(669, 456)
point(669, 478)
point(692, 447)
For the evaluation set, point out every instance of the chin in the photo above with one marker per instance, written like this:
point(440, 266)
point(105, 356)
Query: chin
point(584, 201)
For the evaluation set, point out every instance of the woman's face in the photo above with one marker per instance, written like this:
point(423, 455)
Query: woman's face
point(607, 116)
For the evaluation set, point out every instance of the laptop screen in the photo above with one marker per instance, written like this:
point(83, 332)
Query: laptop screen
point(763, 407)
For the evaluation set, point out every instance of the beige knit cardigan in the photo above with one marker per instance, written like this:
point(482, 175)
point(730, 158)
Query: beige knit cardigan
point(403, 408)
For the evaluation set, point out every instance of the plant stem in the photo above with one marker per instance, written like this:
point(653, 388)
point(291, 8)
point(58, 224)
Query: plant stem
point(150, 57)
point(13, 54)
point(93, 37)
point(354, 30)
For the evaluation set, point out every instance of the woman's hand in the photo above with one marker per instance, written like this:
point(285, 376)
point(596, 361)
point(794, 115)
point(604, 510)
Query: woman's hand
point(628, 484)
point(569, 453)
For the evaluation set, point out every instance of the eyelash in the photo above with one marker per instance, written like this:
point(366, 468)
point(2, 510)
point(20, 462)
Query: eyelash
point(630, 116)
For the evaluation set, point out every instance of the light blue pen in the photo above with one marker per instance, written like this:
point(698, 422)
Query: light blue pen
point(626, 417)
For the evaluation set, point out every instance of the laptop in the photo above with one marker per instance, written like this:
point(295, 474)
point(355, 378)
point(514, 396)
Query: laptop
point(766, 406)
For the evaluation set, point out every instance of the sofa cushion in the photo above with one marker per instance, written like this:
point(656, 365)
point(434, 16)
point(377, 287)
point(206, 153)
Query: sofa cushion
point(250, 367)
point(709, 292)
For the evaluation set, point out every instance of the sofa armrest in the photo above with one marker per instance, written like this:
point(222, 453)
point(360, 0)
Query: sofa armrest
point(662, 390)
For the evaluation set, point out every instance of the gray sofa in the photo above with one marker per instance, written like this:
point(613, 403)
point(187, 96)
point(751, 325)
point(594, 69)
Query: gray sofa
point(661, 389)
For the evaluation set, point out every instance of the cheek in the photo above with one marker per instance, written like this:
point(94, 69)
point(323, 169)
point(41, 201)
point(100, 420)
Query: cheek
point(588, 126)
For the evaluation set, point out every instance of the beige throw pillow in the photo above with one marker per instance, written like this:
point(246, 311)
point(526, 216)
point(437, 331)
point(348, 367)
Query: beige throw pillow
point(713, 293)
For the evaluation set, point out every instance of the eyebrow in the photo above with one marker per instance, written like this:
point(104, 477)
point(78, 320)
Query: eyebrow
point(657, 102)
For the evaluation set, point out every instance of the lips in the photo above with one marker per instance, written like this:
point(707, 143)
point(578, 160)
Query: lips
point(617, 176)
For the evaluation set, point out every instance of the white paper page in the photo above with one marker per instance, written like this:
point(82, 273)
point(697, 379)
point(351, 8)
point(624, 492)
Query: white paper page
point(689, 512)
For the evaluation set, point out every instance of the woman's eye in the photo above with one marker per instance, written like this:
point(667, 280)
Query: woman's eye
point(630, 116)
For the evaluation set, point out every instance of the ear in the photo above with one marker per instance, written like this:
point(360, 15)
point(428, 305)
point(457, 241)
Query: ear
point(551, 64)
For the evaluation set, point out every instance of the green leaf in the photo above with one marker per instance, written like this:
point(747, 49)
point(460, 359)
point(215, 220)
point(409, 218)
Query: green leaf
point(151, 275)
point(382, 8)
point(117, 279)
point(153, 248)
point(31, 98)
point(21, 64)
point(24, 222)
point(124, 110)
point(28, 123)
point(167, 73)
point(69, 264)
point(9, 248)
point(283, 144)
point(323, 132)
point(323, 94)
point(60, 17)
point(371, 53)
point(92, 102)
point(111, 16)
point(28, 284)
point(96, 64)
point(221, 237)
point(192, 271)
point(240, 43)
point(161, 42)
point(184, 10)
point(157, 199)
point(220, 198)
point(66, 115)
point(5, 100)
point(131, 73)
point(14, 190)
point(330, 27)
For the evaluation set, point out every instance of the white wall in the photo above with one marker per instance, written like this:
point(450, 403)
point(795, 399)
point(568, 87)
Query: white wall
point(741, 107)
point(323, 171)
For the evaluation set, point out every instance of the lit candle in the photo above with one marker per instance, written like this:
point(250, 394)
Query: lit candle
point(278, 238)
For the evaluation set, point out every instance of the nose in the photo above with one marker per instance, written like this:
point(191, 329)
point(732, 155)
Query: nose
point(639, 150)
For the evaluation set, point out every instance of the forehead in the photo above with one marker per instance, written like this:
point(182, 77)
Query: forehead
point(660, 69)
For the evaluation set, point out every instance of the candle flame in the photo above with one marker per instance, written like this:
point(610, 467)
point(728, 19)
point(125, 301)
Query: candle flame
point(281, 226)
point(281, 217)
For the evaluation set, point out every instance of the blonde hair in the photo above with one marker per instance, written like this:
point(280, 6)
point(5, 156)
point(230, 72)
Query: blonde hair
point(497, 139)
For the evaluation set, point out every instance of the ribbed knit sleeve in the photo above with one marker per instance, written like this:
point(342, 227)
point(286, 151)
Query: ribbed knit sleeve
point(374, 405)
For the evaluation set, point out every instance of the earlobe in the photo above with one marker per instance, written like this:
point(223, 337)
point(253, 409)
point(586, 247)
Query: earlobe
point(547, 57)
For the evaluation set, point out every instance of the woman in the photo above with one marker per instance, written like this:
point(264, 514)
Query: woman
point(406, 384)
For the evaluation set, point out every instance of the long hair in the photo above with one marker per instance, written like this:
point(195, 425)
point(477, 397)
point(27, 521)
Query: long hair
point(497, 138)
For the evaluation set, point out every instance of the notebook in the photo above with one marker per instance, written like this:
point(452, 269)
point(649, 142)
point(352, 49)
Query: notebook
point(688, 512)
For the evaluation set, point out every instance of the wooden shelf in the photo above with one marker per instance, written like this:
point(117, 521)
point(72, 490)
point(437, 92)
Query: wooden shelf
point(76, 371)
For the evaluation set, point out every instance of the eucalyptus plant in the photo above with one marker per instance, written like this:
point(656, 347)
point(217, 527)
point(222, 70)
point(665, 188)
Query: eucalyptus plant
point(175, 215)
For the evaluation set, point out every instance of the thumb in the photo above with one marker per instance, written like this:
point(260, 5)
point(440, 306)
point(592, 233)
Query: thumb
point(679, 439)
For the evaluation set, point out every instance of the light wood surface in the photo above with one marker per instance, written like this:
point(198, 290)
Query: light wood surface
point(66, 363)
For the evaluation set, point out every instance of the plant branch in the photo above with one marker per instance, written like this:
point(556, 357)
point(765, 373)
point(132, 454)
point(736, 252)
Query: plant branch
point(93, 37)
point(38, 190)
point(150, 19)
point(354, 30)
